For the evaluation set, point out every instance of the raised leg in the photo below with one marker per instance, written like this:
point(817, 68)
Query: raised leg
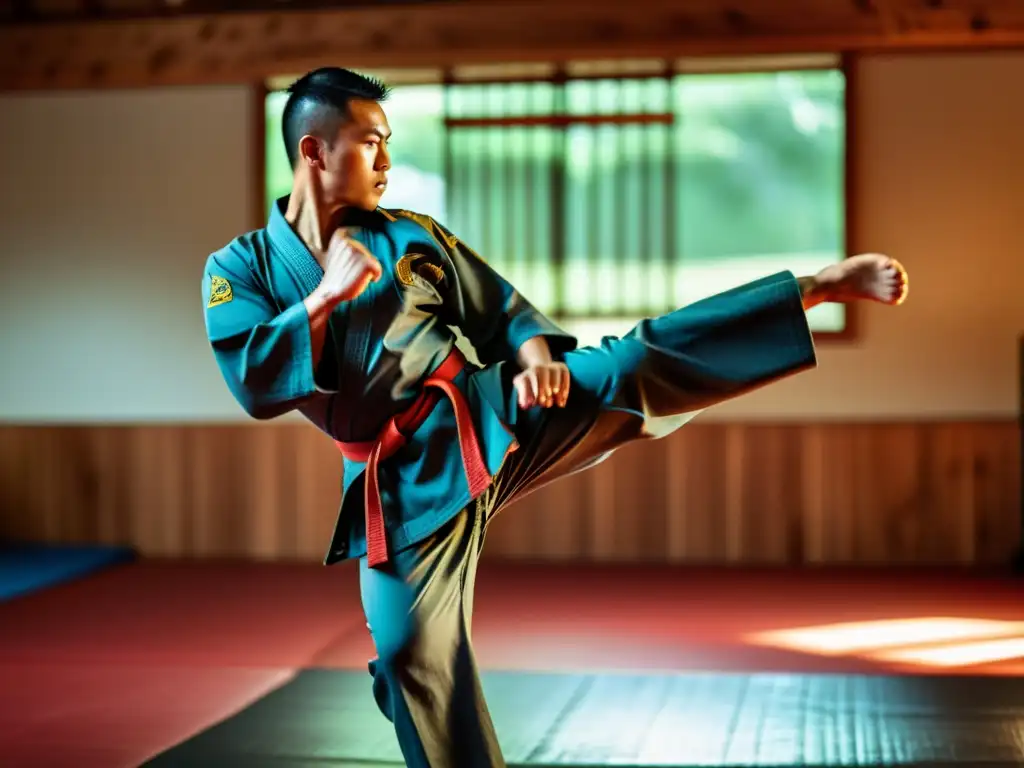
point(667, 369)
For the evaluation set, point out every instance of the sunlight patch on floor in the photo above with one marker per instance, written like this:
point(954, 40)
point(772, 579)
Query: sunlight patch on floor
point(926, 641)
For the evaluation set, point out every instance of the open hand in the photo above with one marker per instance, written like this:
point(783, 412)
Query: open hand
point(545, 385)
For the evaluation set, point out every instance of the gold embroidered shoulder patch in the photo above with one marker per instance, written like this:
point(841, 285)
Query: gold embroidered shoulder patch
point(220, 291)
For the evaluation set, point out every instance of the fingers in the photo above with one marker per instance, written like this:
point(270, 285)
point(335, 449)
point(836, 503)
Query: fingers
point(369, 261)
point(362, 285)
point(528, 388)
point(355, 257)
point(545, 386)
point(548, 381)
point(542, 387)
point(524, 394)
point(355, 276)
point(561, 390)
point(375, 269)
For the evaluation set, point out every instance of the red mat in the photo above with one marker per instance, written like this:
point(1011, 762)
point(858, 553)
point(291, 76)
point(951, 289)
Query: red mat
point(113, 669)
point(112, 716)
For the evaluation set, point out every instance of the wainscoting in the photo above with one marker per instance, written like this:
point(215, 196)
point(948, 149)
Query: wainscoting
point(913, 493)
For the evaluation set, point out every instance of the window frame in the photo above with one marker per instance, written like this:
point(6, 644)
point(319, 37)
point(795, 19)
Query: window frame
point(553, 71)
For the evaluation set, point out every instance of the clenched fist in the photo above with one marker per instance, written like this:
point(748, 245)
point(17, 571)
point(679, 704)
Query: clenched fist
point(348, 268)
point(546, 384)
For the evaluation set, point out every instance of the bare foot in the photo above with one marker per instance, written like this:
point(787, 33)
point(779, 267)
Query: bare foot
point(867, 277)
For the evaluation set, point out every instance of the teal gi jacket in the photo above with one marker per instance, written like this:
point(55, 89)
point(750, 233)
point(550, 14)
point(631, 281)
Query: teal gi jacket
point(377, 348)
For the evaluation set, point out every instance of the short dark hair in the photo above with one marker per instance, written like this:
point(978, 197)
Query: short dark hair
point(318, 103)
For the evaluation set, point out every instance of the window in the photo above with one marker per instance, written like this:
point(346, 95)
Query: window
point(610, 194)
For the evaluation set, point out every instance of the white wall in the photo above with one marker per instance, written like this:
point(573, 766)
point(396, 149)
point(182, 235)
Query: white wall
point(112, 201)
point(941, 164)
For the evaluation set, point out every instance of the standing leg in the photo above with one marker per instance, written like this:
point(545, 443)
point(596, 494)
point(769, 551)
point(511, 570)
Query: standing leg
point(425, 676)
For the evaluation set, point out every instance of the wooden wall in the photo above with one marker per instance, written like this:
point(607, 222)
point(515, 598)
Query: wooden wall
point(713, 493)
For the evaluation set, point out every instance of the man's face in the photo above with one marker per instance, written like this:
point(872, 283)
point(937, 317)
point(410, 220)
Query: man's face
point(356, 164)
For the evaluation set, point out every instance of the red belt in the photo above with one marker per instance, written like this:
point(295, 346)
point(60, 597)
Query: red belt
point(396, 433)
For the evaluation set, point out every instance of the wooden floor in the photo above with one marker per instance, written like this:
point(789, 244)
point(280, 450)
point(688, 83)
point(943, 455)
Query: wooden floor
point(265, 665)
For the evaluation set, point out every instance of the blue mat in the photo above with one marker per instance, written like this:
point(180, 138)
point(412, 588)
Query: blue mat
point(27, 568)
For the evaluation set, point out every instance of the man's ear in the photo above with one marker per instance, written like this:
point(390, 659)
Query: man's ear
point(311, 151)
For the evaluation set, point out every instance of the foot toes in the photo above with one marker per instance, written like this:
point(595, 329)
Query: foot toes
point(903, 282)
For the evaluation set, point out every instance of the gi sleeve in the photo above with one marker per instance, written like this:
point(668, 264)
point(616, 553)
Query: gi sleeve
point(264, 355)
point(489, 311)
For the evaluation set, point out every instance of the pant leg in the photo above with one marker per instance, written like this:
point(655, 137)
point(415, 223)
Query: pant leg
point(660, 375)
point(425, 676)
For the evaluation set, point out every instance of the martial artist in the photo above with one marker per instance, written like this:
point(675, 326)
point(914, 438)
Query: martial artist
point(345, 311)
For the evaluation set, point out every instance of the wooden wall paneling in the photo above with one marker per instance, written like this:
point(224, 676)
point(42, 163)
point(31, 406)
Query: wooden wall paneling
point(702, 483)
point(995, 487)
point(720, 493)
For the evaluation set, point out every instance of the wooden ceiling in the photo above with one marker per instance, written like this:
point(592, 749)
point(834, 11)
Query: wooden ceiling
point(47, 44)
point(43, 11)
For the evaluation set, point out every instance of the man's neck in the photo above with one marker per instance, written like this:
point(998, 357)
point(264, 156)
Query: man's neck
point(312, 218)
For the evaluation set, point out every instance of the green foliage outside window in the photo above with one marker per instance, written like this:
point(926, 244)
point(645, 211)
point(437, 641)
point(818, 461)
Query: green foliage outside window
point(747, 180)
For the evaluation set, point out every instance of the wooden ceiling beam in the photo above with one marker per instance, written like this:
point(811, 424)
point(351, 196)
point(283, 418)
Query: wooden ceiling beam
point(248, 47)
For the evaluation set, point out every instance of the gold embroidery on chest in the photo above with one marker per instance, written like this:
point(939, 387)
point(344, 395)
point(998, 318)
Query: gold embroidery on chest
point(406, 268)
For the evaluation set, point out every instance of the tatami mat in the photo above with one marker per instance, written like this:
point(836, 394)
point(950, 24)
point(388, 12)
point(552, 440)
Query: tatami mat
point(327, 717)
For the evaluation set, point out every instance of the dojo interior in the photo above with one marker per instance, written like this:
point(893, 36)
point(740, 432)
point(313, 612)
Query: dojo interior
point(823, 572)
